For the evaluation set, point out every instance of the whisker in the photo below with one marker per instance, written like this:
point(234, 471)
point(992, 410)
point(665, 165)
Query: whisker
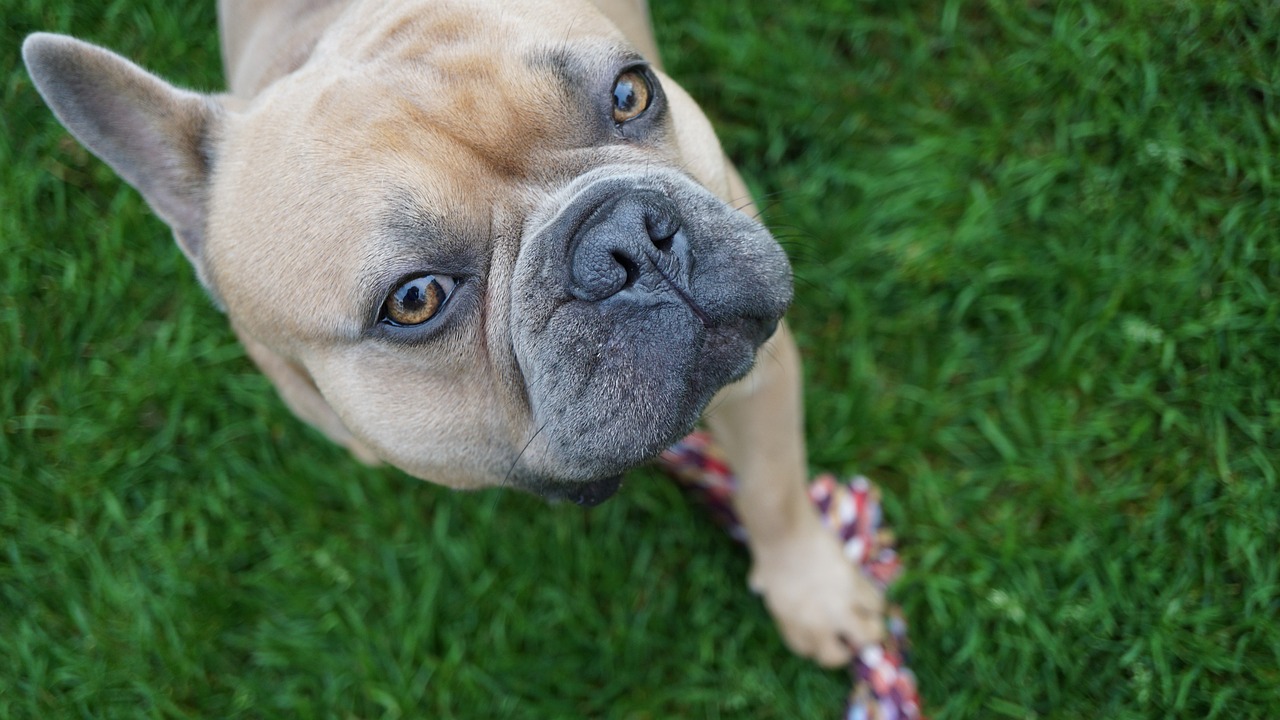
point(506, 480)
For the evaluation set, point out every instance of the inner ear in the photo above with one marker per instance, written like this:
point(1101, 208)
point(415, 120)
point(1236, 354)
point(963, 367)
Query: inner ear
point(158, 137)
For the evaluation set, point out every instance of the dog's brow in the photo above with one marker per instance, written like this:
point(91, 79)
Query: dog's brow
point(413, 239)
point(408, 216)
point(561, 63)
point(576, 70)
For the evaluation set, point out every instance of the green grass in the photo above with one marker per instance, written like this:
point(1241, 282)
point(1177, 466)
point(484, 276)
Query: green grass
point(1038, 265)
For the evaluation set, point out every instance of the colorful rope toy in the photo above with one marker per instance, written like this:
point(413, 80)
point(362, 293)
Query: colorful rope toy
point(883, 687)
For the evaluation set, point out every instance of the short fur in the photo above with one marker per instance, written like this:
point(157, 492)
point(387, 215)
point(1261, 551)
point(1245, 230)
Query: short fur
point(610, 277)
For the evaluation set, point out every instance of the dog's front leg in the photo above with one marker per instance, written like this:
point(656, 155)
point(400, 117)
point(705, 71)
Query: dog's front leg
point(818, 598)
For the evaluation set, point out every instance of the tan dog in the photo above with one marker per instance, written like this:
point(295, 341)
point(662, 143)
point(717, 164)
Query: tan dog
point(487, 242)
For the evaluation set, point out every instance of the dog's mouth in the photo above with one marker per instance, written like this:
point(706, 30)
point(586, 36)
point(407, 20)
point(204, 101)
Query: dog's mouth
point(586, 494)
point(637, 300)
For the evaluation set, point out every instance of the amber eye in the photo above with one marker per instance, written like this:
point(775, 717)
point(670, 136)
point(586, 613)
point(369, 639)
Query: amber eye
point(631, 96)
point(417, 300)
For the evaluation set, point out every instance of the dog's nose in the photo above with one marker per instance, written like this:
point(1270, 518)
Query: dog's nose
point(631, 234)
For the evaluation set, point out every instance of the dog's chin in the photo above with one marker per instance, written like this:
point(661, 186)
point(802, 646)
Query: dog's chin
point(585, 494)
point(609, 428)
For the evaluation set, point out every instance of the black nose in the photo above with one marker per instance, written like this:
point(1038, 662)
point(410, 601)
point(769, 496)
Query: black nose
point(629, 235)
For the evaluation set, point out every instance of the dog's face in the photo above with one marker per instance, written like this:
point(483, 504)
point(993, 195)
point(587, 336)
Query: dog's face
point(489, 243)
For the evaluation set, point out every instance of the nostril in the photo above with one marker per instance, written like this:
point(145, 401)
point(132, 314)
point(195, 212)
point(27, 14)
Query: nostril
point(630, 266)
point(662, 222)
point(662, 243)
point(622, 241)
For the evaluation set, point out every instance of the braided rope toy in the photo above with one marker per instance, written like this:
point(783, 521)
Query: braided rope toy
point(883, 687)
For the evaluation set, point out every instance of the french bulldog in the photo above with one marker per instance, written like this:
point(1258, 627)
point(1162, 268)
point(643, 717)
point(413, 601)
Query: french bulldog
point(488, 242)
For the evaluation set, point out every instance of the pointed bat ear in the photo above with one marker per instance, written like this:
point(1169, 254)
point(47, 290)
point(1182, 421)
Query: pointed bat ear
point(158, 137)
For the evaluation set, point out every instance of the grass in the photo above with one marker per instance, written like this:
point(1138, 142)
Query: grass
point(1038, 271)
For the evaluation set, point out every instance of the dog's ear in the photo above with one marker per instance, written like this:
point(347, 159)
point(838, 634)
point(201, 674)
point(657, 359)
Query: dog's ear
point(157, 137)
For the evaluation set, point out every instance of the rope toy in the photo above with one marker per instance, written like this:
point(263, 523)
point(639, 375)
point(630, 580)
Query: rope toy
point(884, 688)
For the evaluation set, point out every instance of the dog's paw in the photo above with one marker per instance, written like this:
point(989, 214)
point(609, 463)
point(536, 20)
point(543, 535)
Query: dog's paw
point(823, 605)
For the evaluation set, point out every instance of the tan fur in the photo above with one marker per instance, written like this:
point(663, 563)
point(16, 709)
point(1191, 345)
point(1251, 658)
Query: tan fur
point(424, 99)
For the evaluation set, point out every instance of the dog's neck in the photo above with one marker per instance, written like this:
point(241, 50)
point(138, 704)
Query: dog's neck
point(264, 40)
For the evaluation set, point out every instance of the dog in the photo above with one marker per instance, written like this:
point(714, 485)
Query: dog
point(490, 243)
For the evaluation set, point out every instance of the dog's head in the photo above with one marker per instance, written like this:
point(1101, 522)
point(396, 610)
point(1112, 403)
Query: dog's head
point(496, 242)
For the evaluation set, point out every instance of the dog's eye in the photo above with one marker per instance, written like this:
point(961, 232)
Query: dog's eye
point(631, 96)
point(417, 300)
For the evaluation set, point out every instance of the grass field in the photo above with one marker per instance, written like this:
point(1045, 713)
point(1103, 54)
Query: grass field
point(1037, 249)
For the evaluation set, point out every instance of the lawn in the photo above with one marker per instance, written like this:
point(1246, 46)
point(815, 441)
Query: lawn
point(1037, 249)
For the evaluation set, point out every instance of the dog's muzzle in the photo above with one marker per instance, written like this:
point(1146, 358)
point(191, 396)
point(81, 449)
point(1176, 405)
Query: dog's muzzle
point(634, 303)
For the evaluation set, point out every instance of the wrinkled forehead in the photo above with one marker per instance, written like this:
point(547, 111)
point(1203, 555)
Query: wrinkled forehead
point(418, 27)
point(491, 74)
point(464, 90)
